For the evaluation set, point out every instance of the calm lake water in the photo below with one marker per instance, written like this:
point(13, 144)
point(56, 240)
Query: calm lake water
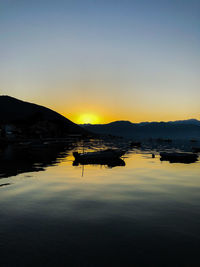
point(146, 213)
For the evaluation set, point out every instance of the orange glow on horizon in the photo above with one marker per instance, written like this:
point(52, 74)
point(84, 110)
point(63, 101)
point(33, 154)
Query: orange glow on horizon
point(87, 118)
point(104, 116)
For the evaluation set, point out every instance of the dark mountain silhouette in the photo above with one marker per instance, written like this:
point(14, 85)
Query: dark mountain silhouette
point(187, 129)
point(32, 119)
point(190, 121)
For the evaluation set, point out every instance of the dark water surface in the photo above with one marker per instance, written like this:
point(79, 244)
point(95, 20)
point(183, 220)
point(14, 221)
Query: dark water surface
point(52, 213)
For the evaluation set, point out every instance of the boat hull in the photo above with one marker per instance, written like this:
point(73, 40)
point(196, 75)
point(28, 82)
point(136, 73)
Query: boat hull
point(178, 157)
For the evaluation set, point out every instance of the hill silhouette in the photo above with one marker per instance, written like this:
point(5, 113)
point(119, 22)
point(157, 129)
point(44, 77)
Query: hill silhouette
point(32, 118)
point(185, 129)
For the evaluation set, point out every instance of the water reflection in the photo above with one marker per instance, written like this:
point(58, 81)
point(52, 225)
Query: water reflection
point(146, 214)
point(177, 157)
point(109, 163)
point(15, 159)
point(1, 185)
point(18, 159)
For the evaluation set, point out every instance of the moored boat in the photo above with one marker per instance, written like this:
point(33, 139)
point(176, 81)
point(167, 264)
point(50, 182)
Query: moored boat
point(109, 157)
point(107, 154)
point(178, 157)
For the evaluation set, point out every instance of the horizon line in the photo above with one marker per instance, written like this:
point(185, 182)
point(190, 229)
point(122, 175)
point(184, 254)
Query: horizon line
point(139, 122)
point(5, 95)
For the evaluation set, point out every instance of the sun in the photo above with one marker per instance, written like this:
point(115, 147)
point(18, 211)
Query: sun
point(88, 118)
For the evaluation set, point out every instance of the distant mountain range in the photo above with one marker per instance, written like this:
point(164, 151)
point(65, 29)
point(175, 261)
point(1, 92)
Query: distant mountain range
point(182, 129)
point(189, 121)
point(31, 119)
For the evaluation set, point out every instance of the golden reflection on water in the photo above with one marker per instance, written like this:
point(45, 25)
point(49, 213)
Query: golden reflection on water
point(141, 171)
point(145, 201)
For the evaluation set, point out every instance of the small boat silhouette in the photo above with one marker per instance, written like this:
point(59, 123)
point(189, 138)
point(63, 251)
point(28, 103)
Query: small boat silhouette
point(109, 157)
point(178, 157)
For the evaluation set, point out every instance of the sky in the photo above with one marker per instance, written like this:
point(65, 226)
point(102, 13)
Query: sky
point(97, 61)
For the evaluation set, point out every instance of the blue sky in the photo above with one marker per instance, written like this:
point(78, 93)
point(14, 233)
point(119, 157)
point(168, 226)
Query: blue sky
point(134, 60)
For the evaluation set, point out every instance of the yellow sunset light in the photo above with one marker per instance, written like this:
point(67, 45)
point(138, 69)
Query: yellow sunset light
point(88, 118)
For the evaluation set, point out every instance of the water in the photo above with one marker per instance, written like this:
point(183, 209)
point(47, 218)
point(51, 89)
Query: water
point(52, 213)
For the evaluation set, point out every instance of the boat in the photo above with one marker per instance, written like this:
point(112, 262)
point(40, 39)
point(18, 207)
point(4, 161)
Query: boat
point(178, 157)
point(107, 154)
point(110, 163)
point(109, 157)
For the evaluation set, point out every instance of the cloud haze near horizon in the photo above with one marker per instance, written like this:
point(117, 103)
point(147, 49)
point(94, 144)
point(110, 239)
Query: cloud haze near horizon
point(135, 60)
